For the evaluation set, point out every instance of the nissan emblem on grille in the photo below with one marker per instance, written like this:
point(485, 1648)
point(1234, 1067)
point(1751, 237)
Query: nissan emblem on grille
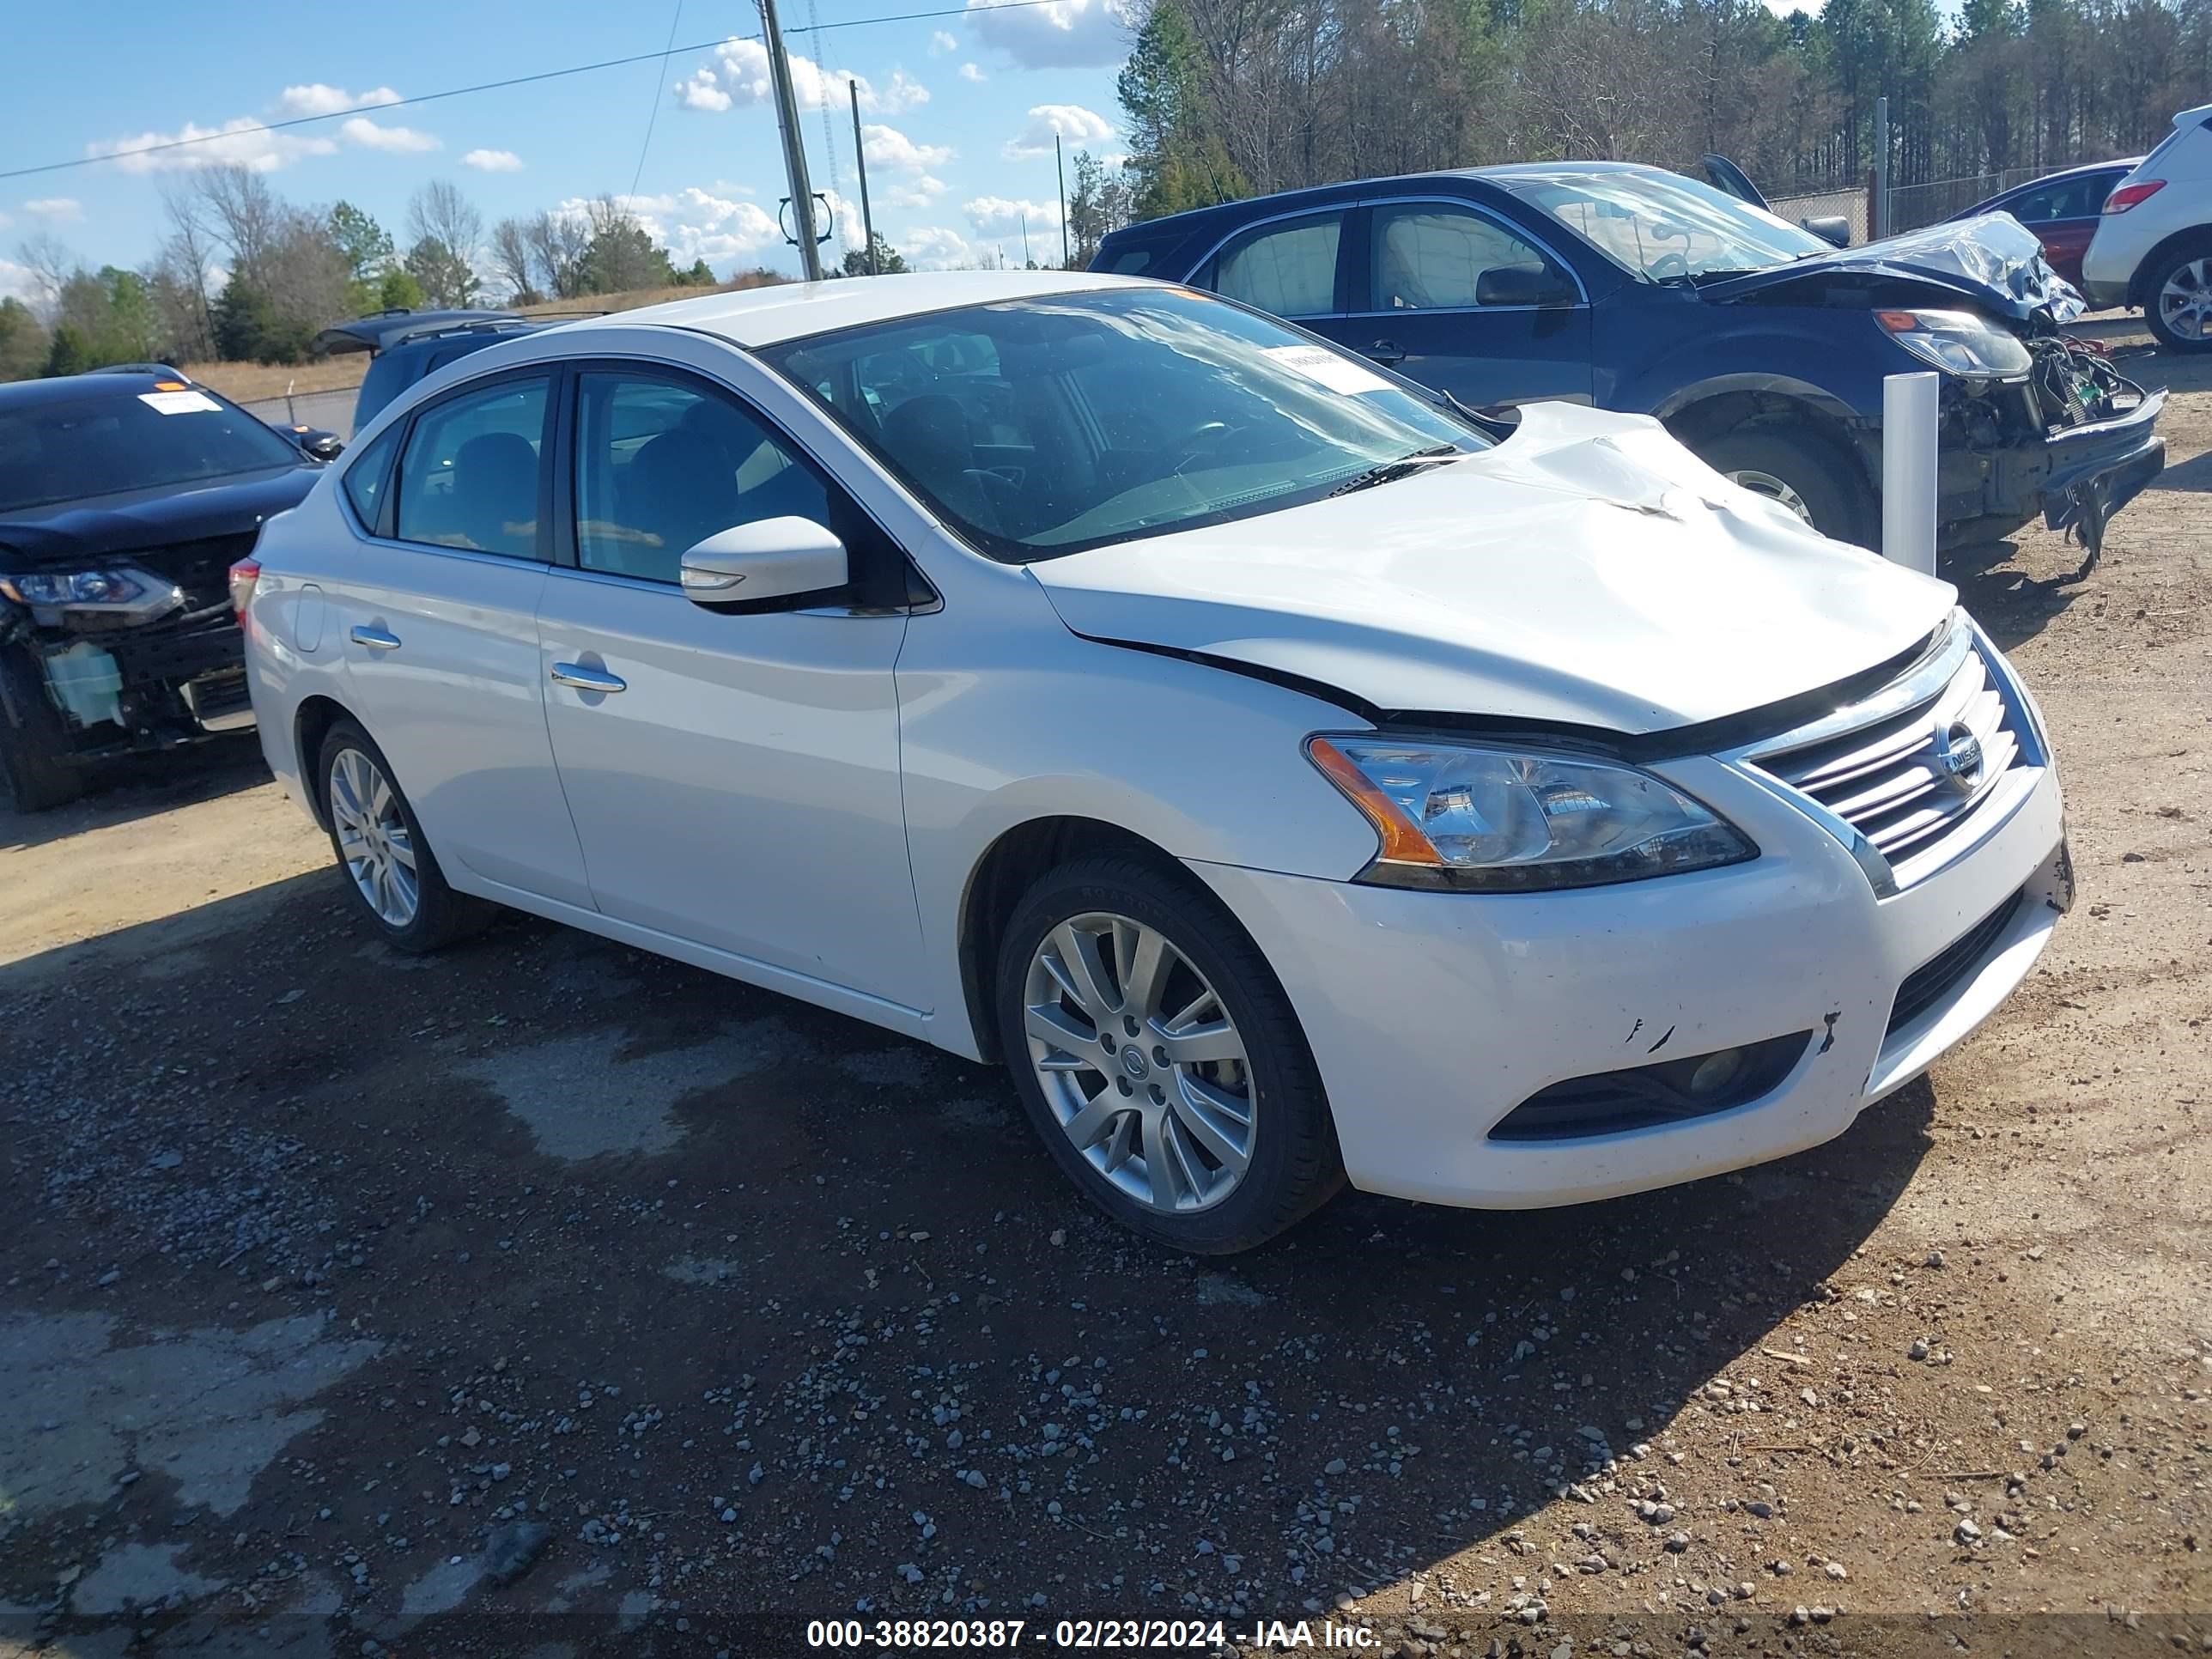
point(1959, 756)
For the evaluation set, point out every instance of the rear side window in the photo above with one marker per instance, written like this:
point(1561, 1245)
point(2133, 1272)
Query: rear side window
point(469, 477)
point(367, 474)
point(1288, 269)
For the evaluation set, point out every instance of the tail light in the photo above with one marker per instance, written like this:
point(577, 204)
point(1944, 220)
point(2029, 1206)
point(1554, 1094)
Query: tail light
point(243, 575)
point(2127, 195)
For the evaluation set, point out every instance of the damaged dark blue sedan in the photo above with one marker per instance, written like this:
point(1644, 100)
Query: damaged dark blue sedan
point(1762, 346)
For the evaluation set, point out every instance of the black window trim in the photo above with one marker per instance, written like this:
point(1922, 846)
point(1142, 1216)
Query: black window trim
point(921, 596)
point(386, 528)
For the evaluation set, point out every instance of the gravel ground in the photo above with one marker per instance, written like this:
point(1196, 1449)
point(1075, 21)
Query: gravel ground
point(545, 1296)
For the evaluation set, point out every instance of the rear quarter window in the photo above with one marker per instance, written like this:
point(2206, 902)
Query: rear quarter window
point(367, 476)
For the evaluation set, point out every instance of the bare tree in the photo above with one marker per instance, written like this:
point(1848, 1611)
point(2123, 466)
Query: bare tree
point(439, 212)
point(557, 243)
point(510, 257)
point(245, 217)
point(50, 265)
point(181, 275)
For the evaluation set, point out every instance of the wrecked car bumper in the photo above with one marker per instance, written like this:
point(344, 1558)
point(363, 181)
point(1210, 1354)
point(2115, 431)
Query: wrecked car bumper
point(1434, 1016)
point(125, 690)
point(2098, 468)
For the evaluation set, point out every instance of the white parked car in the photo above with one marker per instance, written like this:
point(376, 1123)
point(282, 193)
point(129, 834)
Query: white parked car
point(2153, 246)
point(1291, 781)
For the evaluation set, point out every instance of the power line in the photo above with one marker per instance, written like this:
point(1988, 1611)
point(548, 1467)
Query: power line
point(660, 84)
point(662, 56)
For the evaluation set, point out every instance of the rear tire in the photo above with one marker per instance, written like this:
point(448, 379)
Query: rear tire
point(2177, 295)
point(389, 869)
point(1802, 469)
point(1205, 1129)
point(33, 744)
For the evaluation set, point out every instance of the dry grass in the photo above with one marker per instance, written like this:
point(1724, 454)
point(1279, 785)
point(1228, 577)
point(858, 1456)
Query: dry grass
point(245, 382)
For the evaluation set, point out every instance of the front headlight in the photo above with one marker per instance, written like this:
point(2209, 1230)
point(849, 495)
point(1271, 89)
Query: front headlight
point(1518, 820)
point(1957, 342)
point(119, 589)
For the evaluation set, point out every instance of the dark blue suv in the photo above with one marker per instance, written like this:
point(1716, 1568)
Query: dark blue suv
point(406, 345)
point(1762, 346)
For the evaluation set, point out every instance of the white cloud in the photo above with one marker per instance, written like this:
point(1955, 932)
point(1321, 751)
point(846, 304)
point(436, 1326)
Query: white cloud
point(17, 282)
point(970, 72)
point(243, 143)
point(693, 223)
point(394, 140)
point(493, 160)
point(917, 192)
point(939, 42)
point(934, 247)
point(54, 209)
point(1072, 122)
point(995, 215)
point(887, 147)
point(316, 99)
point(1058, 34)
point(739, 74)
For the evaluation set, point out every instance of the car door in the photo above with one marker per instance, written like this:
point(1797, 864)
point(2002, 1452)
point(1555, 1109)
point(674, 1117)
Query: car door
point(437, 618)
point(2063, 217)
point(1452, 295)
point(733, 774)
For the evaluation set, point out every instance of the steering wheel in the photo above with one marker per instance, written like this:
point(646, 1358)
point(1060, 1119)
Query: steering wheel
point(1667, 267)
point(1201, 441)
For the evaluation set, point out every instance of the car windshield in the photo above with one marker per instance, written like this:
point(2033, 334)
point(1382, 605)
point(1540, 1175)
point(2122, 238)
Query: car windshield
point(1038, 427)
point(1664, 228)
point(108, 443)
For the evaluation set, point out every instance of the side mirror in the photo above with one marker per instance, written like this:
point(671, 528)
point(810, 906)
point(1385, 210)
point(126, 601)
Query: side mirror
point(323, 445)
point(1523, 285)
point(1835, 231)
point(772, 559)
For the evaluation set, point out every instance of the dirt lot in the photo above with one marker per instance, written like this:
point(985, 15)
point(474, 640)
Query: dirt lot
point(547, 1297)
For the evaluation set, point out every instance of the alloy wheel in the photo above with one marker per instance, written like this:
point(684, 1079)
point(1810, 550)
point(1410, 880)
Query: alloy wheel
point(1775, 489)
point(2184, 300)
point(373, 837)
point(1140, 1062)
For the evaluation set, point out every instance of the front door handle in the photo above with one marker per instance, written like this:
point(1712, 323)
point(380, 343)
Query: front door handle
point(376, 639)
point(586, 679)
point(1386, 353)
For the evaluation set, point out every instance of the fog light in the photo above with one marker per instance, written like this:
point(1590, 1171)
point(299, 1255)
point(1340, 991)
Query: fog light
point(1716, 1071)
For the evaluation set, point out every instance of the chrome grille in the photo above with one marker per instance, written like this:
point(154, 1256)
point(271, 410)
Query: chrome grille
point(1890, 768)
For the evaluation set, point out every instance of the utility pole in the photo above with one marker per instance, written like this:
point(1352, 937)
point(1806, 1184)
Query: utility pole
point(1026, 261)
point(860, 155)
point(794, 148)
point(1060, 168)
point(1880, 213)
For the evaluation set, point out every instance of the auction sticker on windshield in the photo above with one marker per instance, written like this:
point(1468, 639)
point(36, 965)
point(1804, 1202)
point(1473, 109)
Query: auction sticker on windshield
point(179, 403)
point(1337, 373)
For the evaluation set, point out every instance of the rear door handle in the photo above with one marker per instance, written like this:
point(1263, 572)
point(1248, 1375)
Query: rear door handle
point(586, 679)
point(1386, 353)
point(376, 639)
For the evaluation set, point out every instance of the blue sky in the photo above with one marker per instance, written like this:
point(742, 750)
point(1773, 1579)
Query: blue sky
point(959, 114)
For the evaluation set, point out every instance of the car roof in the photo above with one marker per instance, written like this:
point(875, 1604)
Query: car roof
point(789, 311)
point(2118, 168)
point(387, 329)
point(63, 388)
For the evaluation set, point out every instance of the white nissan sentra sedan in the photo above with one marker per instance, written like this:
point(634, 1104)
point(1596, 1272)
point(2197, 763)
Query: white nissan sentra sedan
point(1290, 779)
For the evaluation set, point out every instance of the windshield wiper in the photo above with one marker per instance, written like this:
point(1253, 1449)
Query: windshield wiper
point(1405, 466)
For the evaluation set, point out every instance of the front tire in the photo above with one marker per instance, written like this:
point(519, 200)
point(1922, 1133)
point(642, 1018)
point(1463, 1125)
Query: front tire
point(1801, 470)
point(1160, 1061)
point(34, 743)
point(2177, 296)
point(386, 861)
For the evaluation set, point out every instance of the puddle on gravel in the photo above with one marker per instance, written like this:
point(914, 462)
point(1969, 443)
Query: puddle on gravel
point(580, 1100)
point(210, 1408)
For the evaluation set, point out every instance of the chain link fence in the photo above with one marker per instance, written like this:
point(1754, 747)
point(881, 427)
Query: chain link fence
point(1912, 206)
point(1848, 204)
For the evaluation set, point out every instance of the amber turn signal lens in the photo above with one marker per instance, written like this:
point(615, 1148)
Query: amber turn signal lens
point(1402, 840)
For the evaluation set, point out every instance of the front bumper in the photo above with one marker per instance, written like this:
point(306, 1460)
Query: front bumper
point(175, 682)
point(1432, 1016)
point(2073, 478)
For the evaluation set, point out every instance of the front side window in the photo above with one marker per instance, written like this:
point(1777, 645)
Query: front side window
point(1663, 227)
point(1288, 269)
point(1107, 415)
point(662, 464)
point(468, 475)
point(1430, 257)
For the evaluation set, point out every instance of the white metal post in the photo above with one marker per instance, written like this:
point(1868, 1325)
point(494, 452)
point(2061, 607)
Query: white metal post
point(1878, 224)
point(1908, 471)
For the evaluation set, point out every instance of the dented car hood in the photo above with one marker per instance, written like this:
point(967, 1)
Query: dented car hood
point(1993, 261)
point(1586, 572)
